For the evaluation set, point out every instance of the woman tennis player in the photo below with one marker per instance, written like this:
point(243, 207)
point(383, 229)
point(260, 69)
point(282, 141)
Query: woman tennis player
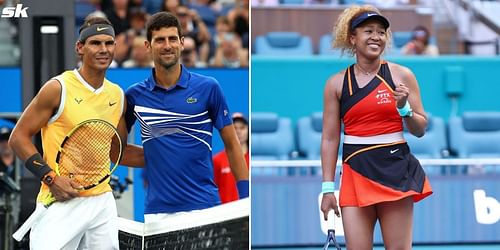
point(381, 179)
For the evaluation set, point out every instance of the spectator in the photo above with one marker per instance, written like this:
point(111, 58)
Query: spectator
point(239, 17)
point(419, 45)
point(118, 15)
point(194, 27)
point(170, 5)
point(223, 176)
point(222, 25)
point(7, 156)
point(138, 18)
point(230, 52)
point(139, 56)
point(189, 56)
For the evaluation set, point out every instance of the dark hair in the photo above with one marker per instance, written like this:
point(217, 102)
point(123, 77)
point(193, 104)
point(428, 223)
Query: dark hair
point(162, 20)
point(424, 29)
point(91, 20)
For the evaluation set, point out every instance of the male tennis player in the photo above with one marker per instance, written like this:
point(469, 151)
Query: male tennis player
point(87, 219)
point(177, 111)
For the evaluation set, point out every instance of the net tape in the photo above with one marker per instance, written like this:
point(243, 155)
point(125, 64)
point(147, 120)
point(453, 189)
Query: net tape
point(221, 227)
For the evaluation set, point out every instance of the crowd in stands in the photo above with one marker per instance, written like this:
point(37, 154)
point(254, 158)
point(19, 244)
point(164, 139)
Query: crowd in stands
point(216, 32)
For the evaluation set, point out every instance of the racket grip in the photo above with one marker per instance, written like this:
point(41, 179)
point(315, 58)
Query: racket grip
point(26, 226)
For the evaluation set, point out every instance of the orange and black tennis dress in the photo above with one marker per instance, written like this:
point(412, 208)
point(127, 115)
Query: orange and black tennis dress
point(377, 165)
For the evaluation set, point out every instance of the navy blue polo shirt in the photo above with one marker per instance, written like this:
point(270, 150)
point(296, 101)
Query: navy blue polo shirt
point(176, 131)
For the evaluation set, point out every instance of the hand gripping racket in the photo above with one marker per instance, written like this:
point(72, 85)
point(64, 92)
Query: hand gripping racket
point(88, 155)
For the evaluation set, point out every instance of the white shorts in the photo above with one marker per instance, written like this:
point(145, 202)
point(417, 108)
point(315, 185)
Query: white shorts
point(80, 223)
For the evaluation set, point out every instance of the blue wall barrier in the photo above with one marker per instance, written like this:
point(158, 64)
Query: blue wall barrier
point(462, 209)
point(293, 86)
point(234, 84)
point(10, 96)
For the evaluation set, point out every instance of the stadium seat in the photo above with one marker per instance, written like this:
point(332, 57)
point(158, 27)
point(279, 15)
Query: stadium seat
point(272, 139)
point(432, 145)
point(476, 135)
point(400, 38)
point(291, 1)
point(82, 9)
point(309, 131)
point(325, 46)
point(283, 43)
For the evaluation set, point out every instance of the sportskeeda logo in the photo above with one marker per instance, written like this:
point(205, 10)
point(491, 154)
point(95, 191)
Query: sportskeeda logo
point(15, 12)
point(487, 208)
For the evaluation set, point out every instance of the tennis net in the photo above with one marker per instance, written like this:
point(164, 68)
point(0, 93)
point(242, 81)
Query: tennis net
point(222, 227)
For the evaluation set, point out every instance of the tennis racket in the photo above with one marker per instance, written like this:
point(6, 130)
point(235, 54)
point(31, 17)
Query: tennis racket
point(88, 155)
point(330, 238)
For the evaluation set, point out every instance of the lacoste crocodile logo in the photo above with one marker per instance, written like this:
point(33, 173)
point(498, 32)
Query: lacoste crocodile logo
point(191, 100)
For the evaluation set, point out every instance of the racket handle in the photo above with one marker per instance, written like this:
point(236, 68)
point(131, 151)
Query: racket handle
point(26, 226)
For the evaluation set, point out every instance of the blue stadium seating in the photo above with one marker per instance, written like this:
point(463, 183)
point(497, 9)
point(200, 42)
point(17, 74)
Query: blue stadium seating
point(309, 131)
point(400, 38)
point(476, 135)
point(282, 43)
point(82, 9)
point(272, 139)
point(325, 46)
point(432, 145)
point(291, 1)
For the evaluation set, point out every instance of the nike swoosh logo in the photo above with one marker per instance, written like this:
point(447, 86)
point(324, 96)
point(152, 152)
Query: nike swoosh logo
point(102, 28)
point(111, 104)
point(394, 151)
point(371, 14)
point(37, 163)
point(381, 91)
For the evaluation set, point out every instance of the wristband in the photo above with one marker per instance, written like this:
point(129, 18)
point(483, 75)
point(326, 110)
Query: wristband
point(242, 186)
point(327, 187)
point(405, 109)
point(36, 165)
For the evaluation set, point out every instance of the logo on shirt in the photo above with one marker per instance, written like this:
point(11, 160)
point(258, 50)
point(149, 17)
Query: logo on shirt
point(78, 100)
point(225, 112)
point(191, 100)
point(383, 96)
point(111, 103)
point(225, 170)
point(394, 151)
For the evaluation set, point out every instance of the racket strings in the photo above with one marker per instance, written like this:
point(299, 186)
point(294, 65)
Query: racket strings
point(85, 156)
